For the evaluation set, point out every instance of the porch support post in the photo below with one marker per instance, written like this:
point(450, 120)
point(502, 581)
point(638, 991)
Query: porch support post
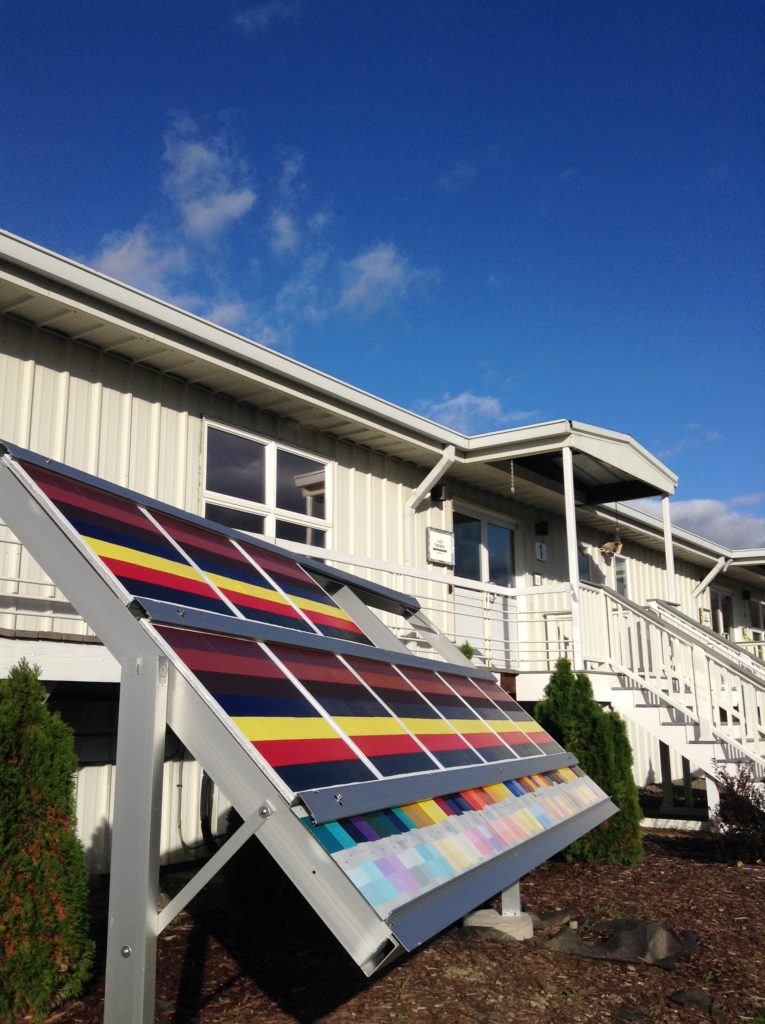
point(572, 549)
point(669, 553)
point(511, 901)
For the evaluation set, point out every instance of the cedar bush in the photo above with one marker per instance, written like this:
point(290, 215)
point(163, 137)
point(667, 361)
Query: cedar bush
point(599, 740)
point(45, 950)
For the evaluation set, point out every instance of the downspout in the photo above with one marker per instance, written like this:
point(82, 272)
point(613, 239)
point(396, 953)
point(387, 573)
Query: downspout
point(720, 566)
point(411, 506)
point(573, 555)
point(669, 553)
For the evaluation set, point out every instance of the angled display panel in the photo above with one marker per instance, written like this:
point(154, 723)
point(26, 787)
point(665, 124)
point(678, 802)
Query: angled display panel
point(400, 790)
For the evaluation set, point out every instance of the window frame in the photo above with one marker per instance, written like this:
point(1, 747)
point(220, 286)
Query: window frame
point(487, 518)
point(268, 509)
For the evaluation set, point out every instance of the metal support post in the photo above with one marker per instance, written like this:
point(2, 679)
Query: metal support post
point(132, 936)
point(573, 557)
point(511, 901)
point(667, 791)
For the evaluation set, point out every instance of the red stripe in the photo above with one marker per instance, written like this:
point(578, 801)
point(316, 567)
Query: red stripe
point(443, 741)
point(320, 619)
point(142, 574)
point(378, 746)
point(261, 604)
point(89, 499)
point(482, 739)
point(279, 753)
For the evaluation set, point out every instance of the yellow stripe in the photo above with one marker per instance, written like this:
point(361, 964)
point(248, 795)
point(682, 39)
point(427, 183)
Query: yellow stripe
point(369, 726)
point(106, 550)
point(316, 606)
point(238, 587)
point(427, 726)
point(469, 725)
point(501, 726)
point(284, 728)
point(530, 726)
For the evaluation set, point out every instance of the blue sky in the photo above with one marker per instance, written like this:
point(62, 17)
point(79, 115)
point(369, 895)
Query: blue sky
point(492, 213)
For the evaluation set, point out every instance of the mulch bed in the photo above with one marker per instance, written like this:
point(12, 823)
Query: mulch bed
point(275, 963)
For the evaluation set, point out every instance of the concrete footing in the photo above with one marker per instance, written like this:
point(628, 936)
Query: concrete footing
point(514, 926)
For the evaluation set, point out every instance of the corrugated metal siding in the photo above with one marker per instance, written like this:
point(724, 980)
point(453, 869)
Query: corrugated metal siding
point(181, 833)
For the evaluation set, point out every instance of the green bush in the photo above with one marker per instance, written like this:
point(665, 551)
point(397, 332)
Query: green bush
point(45, 951)
point(739, 821)
point(599, 741)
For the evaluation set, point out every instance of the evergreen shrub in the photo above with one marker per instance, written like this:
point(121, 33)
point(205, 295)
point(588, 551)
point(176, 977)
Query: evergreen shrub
point(45, 950)
point(599, 741)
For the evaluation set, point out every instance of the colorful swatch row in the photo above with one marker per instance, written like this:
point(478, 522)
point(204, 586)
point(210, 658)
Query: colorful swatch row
point(158, 556)
point(396, 855)
point(321, 719)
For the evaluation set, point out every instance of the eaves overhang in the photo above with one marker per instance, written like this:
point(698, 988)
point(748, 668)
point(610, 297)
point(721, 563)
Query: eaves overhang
point(79, 304)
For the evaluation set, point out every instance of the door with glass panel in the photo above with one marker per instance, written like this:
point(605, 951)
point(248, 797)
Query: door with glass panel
point(484, 551)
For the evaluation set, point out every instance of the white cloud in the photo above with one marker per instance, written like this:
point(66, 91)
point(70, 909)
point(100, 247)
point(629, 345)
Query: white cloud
point(138, 258)
point(284, 233)
point(209, 185)
point(260, 17)
point(375, 278)
point(470, 413)
point(714, 519)
point(458, 177)
point(693, 435)
point(228, 314)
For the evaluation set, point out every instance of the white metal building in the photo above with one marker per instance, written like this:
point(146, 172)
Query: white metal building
point(517, 542)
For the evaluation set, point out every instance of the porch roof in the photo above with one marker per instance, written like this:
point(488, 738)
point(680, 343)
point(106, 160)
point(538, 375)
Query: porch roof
point(77, 303)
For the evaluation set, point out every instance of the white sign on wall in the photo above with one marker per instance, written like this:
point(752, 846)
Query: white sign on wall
point(440, 546)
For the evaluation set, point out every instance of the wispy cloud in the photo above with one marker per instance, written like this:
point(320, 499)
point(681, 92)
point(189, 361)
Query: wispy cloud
point(260, 18)
point(458, 177)
point(205, 180)
point(716, 520)
point(471, 413)
point(375, 278)
point(295, 273)
point(284, 233)
point(693, 435)
point(142, 259)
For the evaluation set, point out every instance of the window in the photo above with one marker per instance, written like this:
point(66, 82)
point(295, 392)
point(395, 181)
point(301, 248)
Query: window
point(584, 562)
point(262, 487)
point(620, 575)
point(483, 551)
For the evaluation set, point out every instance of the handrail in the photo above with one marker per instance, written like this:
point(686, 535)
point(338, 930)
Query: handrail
point(729, 650)
point(725, 701)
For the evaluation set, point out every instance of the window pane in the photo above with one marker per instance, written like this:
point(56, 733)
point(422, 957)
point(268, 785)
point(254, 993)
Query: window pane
point(500, 541)
point(235, 519)
point(235, 466)
point(300, 534)
point(467, 547)
point(620, 575)
point(299, 484)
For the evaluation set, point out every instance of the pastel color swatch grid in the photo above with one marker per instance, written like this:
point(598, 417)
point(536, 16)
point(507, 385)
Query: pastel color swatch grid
point(155, 555)
point(394, 856)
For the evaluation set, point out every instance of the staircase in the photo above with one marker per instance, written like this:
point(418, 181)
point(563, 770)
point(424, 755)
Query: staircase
point(686, 686)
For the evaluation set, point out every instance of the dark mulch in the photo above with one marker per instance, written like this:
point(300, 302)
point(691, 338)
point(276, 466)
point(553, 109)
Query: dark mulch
point(274, 967)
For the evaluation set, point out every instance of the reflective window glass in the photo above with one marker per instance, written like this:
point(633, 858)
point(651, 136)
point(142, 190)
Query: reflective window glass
point(299, 484)
point(235, 518)
point(235, 466)
point(467, 546)
point(500, 546)
point(300, 534)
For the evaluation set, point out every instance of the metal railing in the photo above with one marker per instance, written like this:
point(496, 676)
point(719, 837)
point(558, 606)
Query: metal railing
point(726, 701)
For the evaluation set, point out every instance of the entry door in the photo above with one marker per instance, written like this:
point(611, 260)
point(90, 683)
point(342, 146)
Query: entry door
point(484, 551)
